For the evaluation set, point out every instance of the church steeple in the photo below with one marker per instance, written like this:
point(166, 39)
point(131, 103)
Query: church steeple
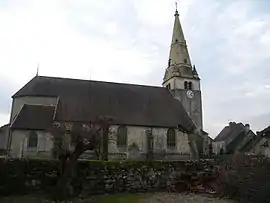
point(181, 76)
point(179, 63)
point(178, 52)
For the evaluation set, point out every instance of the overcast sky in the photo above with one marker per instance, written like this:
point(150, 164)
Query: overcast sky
point(128, 41)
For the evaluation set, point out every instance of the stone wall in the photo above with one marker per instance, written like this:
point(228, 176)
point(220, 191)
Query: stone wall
point(136, 148)
point(20, 176)
point(19, 147)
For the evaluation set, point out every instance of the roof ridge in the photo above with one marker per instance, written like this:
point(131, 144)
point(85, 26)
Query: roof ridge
point(100, 81)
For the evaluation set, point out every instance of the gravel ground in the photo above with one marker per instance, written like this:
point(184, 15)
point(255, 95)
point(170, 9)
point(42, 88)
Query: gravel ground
point(146, 198)
point(182, 198)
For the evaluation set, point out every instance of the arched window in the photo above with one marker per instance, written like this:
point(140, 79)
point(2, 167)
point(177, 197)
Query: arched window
point(171, 139)
point(32, 139)
point(168, 86)
point(185, 60)
point(122, 136)
point(190, 85)
point(186, 85)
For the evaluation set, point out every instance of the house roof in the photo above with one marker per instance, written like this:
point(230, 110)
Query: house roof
point(36, 117)
point(4, 127)
point(230, 132)
point(83, 100)
point(264, 132)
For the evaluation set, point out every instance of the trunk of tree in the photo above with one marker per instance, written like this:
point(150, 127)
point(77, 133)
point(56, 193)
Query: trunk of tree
point(105, 143)
point(64, 184)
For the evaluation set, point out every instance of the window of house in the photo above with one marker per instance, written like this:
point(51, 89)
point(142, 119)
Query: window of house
point(122, 136)
point(171, 138)
point(32, 139)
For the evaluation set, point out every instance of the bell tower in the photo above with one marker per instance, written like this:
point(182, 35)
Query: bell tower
point(181, 77)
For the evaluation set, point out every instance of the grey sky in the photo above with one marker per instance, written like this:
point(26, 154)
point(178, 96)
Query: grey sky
point(128, 41)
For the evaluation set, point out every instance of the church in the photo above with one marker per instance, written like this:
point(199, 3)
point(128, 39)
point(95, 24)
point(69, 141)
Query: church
point(169, 116)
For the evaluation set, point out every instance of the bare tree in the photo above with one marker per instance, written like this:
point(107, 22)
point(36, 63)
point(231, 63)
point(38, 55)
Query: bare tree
point(70, 142)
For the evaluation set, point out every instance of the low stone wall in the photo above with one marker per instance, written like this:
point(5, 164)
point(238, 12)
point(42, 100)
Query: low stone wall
point(244, 178)
point(95, 177)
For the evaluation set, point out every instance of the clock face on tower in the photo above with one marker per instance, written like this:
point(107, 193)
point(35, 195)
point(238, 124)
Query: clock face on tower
point(190, 94)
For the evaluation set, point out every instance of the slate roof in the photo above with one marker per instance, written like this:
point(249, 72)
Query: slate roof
point(36, 117)
point(230, 132)
point(2, 128)
point(264, 132)
point(83, 100)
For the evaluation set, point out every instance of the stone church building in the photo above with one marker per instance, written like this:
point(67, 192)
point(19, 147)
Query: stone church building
point(170, 116)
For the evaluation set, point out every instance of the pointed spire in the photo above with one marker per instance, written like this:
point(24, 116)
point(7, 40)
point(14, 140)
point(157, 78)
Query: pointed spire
point(179, 63)
point(179, 52)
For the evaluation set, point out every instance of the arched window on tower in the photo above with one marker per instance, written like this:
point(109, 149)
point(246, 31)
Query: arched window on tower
point(32, 140)
point(122, 136)
point(185, 60)
point(186, 85)
point(168, 86)
point(190, 85)
point(171, 138)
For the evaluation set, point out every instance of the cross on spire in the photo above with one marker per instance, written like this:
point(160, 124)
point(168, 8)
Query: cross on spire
point(176, 11)
point(37, 68)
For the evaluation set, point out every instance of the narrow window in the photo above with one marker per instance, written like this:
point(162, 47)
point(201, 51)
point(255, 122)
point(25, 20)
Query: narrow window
point(171, 139)
point(186, 85)
point(190, 85)
point(122, 136)
point(32, 139)
point(168, 86)
point(185, 60)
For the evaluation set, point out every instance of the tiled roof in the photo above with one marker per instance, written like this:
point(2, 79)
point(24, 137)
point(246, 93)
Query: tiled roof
point(83, 100)
point(35, 117)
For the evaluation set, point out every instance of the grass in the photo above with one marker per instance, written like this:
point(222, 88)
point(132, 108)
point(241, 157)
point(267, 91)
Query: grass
point(121, 198)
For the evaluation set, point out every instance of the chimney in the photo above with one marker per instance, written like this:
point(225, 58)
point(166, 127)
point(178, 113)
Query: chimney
point(231, 124)
point(247, 128)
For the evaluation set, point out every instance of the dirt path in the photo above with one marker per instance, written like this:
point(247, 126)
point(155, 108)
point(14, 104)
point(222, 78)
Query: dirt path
point(146, 198)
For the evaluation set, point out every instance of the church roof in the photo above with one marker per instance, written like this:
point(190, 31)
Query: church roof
point(129, 104)
point(36, 117)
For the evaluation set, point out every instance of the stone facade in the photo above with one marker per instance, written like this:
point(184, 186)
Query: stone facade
point(20, 144)
point(262, 147)
point(3, 139)
point(136, 147)
point(218, 146)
